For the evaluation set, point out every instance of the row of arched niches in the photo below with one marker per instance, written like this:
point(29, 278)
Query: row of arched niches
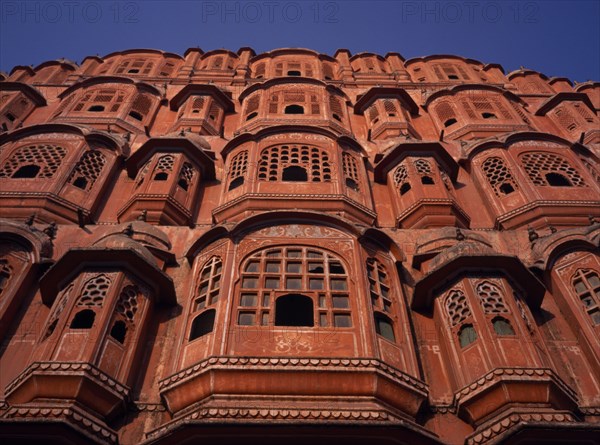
point(408, 248)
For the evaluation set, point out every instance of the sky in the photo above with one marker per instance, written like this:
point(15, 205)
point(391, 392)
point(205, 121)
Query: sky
point(554, 37)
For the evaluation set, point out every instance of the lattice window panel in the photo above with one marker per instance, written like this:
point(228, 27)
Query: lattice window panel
point(142, 174)
point(586, 283)
point(252, 104)
point(521, 112)
point(566, 119)
point(279, 69)
point(457, 307)
point(105, 67)
point(379, 286)
point(584, 112)
point(5, 274)
point(594, 170)
point(142, 104)
point(350, 166)
point(308, 70)
point(273, 103)
point(217, 63)
point(372, 113)
point(309, 271)
point(314, 104)
point(209, 284)
point(390, 107)
point(293, 96)
point(165, 164)
point(260, 70)
point(400, 176)
point(538, 164)
point(127, 305)
point(63, 105)
point(135, 66)
point(335, 105)
point(89, 168)
point(423, 166)
point(498, 174)
point(110, 99)
point(186, 175)
point(167, 69)
point(275, 159)
point(467, 106)
point(58, 309)
point(214, 112)
point(47, 157)
point(94, 291)
point(444, 111)
point(491, 298)
point(17, 107)
point(239, 166)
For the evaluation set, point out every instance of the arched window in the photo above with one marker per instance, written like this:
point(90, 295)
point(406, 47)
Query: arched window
point(101, 99)
point(238, 169)
point(259, 71)
point(549, 169)
point(186, 176)
point(294, 310)
point(59, 307)
point(207, 295)
point(350, 167)
point(586, 284)
point(466, 335)
point(164, 166)
point(294, 173)
point(457, 307)
point(491, 298)
point(87, 170)
point(401, 179)
point(424, 170)
point(335, 106)
point(381, 298)
point(308, 277)
point(141, 107)
point(252, 105)
point(294, 109)
point(275, 160)
point(445, 113)
point(135, 66)
point(83, 319)
point(502, 326)
point(499, 176)
point(34, 161)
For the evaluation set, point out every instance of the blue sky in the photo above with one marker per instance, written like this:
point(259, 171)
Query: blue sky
point(557, 38)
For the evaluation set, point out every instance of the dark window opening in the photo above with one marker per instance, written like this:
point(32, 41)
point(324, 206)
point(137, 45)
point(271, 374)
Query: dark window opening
point(183, 184)
point(236, 182)
point(203, 324)
point(404, 188)
point(467, 335)
point(428, 180)
point(502, 326)
point(336, 117)
point(51, 328)
point(557, 180)
point(4, 127)
point(294, 310)
point(489, 116)
point(450, 122)
point(294, 109)
point(336, 268)
point(392, 114)
point(83, 319)
point(294, 173)
point(506, 188)
point(384, 327)
point(294, 73)
point(133, 71)
point(80, 182)
point(96, 108)
point(375, 120)
point(351, 183)
point(251, 116)
point(212, 117)
point(118, 331)
point(327, 78)
point(161, 176)
point(27, 171)
point(137, 116)
point(452, 77)
point(10, 117)
point(195, 111)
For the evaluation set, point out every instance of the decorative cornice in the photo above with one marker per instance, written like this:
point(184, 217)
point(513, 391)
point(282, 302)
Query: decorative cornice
point(70, 368)
point(544, 203)
point(514, 374)
point(291, 364)
point(77, 418)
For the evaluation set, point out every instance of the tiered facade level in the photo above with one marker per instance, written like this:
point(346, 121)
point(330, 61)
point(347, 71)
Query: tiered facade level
point(239, 248)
